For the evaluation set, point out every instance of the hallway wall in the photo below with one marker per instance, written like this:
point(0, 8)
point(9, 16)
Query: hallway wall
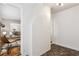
point(67, 28)
point(41, 31)
point(35, 29)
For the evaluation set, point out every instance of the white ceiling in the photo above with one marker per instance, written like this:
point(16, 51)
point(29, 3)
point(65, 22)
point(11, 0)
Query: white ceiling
point(56, 8)
point(8, 11)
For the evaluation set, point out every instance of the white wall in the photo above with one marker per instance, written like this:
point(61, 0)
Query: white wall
point(52, 28)
point(41, 31)
point(35, 34)
point(26, 29)
point(67, 28)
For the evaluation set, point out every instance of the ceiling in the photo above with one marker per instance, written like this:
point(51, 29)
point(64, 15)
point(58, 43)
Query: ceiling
point(56, 8)
point(53, 6)
point(8, 11)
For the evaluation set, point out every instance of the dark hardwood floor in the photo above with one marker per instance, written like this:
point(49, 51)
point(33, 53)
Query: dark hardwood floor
point(57, 50)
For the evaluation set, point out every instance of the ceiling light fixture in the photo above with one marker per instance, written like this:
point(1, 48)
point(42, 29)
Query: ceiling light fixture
point(59, 4)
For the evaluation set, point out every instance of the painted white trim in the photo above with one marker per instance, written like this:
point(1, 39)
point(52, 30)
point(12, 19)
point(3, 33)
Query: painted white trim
point(21, 32)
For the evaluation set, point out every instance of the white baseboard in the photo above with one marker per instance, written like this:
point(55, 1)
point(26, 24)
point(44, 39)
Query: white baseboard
point(77, 49)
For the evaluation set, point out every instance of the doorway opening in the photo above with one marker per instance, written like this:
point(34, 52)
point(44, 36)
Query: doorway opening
point(10, 30)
